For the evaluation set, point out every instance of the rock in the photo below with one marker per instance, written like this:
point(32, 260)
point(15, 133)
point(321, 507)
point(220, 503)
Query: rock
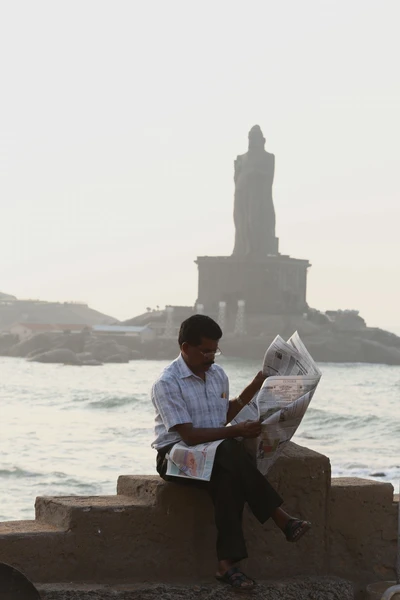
point(59, 355)
point(7, 341)
point(116, 358)
point(83, 356)
point(135, 355)
point(36, 342)
point(103, 349)
point(92, 362)
point(375, 352)
point(71, 341)
point(383, 337)
point(35, 352)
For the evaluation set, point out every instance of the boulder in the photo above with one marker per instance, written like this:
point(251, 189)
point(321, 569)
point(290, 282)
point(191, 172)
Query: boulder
point(7, 341)
point(103, 349)
point(374, 352)
point(71, 341)
point(335, 348)
point(116, 358)
point(84, 356)
point(92, 362)
point(58, 355)
point(36, 342)
point(36, 352)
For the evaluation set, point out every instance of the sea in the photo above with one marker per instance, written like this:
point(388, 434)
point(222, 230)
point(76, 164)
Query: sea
point(67, 430)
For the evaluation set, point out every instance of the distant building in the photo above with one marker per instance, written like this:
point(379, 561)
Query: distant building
point(146, 333)
point(27, 330)
point(157, 321)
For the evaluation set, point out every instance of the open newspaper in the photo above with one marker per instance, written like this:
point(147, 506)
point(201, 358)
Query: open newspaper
point(280, 405)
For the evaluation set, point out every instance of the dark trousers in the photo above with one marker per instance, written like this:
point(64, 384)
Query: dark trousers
point(235, 480)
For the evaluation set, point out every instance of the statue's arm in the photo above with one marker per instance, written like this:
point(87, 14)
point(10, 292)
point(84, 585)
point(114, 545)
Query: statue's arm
point(272, 167)
point(238, 168)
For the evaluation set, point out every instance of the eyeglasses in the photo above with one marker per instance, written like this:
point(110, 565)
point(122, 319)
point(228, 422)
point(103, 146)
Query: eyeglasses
point(212, 353)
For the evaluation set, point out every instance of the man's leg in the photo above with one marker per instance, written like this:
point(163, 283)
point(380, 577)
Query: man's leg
point(263, 500)
point(227, 495)
point(257, 491)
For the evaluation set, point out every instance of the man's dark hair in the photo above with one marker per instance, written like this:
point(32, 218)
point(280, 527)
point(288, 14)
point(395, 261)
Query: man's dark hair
point(196, 327)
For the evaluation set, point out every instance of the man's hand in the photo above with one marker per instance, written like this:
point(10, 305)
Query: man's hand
point(248, 429)
point(258, 381)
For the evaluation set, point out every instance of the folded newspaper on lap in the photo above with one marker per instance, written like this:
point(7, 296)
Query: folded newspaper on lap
point(195, 462)
point(281, 403)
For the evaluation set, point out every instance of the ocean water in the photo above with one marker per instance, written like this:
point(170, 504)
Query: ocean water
point(72, 430)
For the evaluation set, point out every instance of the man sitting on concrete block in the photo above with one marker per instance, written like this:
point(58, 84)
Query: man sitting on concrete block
point(191, 400)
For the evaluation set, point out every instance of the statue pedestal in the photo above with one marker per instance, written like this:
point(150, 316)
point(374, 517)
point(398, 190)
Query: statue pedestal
point(274, 285)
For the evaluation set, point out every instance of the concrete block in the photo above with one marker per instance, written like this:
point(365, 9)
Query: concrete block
point(301, 476)
point(362, 529)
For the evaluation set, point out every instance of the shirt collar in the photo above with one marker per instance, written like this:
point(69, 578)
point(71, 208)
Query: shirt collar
point(184, 370)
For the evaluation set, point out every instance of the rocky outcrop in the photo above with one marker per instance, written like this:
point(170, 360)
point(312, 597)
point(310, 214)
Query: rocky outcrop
point(83, 349)
point(40, 341)
point(325, 342)
point(108, 350)
point(59, 355)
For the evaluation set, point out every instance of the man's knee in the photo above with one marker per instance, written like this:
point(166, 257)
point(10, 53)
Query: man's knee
point(230, 453)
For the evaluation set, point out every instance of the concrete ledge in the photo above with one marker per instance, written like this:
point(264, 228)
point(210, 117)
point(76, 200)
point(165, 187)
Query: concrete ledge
point(311, 588)
point(70, 512)
point(26, 528)
point(301, 476)
point(165, 532)
point(362, 529)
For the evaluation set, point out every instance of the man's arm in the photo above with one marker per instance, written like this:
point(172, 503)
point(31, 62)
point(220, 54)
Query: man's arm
point(201, 435)
point(236, 405)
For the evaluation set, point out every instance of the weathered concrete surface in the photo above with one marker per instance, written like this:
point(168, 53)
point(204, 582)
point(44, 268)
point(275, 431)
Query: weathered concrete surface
point(302, 477)
point(291, 589)
point(362, 529)
point(159, 532)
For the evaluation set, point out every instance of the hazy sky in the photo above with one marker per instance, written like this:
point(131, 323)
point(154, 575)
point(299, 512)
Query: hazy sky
point(120, 121)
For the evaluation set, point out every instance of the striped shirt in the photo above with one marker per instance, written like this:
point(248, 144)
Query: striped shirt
point(179, 396)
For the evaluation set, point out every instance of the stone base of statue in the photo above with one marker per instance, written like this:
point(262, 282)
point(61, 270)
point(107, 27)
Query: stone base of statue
point(275, 285)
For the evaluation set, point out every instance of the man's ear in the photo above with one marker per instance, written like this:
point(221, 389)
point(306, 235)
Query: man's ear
point(184, 347)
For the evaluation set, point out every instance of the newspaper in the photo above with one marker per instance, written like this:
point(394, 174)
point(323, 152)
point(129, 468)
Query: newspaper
point(292, 378)
point(195, 462)
point(280, 405)
point(289, 358)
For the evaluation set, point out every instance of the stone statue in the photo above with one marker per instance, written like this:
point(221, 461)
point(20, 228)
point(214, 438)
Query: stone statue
point(254, 213)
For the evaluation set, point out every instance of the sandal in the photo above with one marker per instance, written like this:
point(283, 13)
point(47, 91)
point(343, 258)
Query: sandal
point(295, 529)
point(236, 579)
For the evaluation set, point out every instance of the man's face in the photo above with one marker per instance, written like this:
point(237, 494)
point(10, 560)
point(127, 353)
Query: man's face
point(200, 357)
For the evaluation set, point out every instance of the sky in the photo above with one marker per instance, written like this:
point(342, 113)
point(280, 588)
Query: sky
point(120, 122)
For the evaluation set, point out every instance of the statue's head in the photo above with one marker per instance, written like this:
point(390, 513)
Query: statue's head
point(256, 138)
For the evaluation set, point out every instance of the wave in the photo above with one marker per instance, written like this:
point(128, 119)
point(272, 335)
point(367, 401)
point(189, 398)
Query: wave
point(16, 472)
point(114, 402)
point(318, 416)
point(65, 486)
